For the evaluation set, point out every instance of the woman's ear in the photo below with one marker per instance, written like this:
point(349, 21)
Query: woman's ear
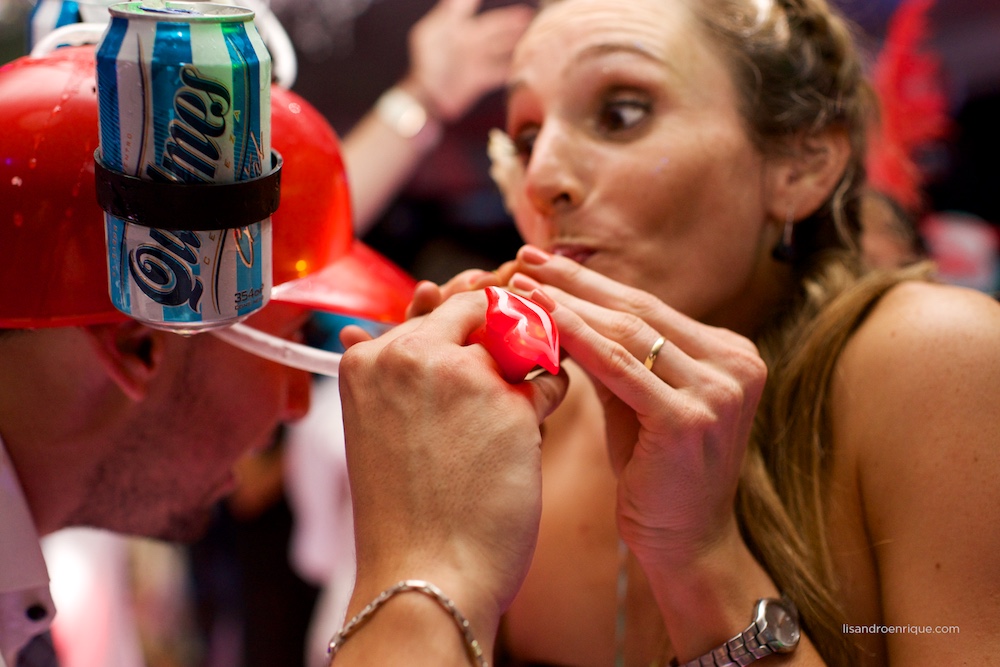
point(130, 352)
point(805, 176)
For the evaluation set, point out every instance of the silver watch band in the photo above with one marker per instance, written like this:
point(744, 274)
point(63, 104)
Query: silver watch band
point(759, 640)
point(739, 651)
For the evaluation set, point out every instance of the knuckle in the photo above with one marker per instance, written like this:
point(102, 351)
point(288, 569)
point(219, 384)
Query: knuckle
point(626, 326)
point(619, 359)
point(401, 355)
point(743, 359)
point(643, 304)
point(751, 368)
point(723, 395)
point(353, 362)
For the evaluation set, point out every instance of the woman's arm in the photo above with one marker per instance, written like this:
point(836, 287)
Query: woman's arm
point(678, 425)
point(915, 404)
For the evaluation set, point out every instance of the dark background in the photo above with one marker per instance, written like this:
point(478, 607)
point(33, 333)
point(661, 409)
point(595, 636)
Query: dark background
point(450, 216)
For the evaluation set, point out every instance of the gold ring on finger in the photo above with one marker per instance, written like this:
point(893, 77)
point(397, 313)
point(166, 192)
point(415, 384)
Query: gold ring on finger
point(653, 352)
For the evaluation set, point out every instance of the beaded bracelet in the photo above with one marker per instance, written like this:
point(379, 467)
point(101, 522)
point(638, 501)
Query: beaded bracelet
point(417, 586)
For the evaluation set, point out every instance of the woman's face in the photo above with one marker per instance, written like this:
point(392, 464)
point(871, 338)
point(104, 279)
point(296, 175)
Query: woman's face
point(637, 161)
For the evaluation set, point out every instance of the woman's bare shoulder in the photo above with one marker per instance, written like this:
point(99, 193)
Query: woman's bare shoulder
point(921, 328)
point(914, 417)
point(915, 391)
point(924, 364)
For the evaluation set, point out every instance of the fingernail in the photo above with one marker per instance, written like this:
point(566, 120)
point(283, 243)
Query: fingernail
point(543, 300)
point(529, 254)
point(522, 282)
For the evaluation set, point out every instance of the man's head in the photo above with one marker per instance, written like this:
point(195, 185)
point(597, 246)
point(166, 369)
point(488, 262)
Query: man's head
point(111, 423)
point(135, 429)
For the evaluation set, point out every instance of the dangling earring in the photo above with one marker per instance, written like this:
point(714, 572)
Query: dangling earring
point(784, 251)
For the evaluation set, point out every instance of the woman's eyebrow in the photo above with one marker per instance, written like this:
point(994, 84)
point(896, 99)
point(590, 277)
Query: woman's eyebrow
point(602, 49)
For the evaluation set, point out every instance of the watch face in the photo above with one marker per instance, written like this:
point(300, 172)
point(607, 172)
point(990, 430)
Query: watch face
point(783, 627)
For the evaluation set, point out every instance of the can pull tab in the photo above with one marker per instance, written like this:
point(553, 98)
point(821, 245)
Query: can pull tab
point(519, 334)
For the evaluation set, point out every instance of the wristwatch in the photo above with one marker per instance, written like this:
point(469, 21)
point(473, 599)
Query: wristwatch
point(775, 629)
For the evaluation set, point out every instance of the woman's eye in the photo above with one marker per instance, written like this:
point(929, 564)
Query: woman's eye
point(622, 114)
point(524, 142)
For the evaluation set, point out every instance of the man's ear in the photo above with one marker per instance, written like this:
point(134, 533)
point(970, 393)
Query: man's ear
point(806, 174)
point(130, 352)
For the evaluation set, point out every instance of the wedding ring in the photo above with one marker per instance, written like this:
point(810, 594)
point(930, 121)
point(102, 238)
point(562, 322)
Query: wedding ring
point(655, 350)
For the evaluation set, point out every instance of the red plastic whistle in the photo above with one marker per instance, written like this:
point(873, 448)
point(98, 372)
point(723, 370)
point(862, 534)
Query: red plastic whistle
point(519, 334)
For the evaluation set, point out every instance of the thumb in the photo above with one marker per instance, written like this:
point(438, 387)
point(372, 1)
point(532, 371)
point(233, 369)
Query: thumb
point(547, 392)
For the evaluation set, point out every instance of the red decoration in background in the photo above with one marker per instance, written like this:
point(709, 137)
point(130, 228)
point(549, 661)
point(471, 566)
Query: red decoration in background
point(913, 105)
point(519, 334)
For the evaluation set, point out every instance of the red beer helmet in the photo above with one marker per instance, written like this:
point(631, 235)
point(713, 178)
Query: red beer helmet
point(53, 268)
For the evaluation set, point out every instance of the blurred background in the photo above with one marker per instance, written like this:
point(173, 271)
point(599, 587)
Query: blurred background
point(963, 171)
point(450, 216)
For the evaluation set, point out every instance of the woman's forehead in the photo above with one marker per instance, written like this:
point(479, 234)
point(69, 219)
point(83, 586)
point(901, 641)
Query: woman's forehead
point(659, 27)
point(571, 31)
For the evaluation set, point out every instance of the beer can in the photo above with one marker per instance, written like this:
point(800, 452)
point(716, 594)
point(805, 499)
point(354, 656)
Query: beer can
point(184, 98)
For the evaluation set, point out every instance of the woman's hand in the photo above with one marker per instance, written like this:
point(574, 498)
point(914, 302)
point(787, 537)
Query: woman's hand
point(678, 422)
point(677, 431)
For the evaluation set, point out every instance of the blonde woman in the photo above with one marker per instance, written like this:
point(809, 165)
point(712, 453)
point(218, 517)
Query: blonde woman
point(767, 419)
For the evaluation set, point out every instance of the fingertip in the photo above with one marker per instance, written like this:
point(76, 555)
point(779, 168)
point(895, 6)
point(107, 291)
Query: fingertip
point(352, 334)
point(505, 271)
point(532, 255)
point(425, 286)
point(426, 297)
point(549, 392)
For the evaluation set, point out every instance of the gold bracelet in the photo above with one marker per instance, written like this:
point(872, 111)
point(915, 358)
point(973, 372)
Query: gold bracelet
point(472, 647)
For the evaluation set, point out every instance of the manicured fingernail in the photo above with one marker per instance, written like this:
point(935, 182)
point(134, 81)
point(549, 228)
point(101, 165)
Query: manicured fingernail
point(529, 254)
point(522, 282)
point(543, 299)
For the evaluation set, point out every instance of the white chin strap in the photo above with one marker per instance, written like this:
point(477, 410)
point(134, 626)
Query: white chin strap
point(279, 350)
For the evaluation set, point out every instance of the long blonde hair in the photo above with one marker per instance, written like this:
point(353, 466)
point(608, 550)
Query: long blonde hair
point(799, 71)
point(781, 504)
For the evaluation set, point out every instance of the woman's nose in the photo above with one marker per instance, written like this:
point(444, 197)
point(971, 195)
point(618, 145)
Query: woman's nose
point(553, 173)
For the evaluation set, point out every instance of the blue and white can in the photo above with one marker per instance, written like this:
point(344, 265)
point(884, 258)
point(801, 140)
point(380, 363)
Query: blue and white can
point(184, 96)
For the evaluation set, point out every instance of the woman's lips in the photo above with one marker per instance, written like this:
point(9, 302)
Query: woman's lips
point(577, 253)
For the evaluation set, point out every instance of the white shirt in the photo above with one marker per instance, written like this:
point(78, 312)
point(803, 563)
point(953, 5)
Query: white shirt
point(322, 544)
point(26, 607)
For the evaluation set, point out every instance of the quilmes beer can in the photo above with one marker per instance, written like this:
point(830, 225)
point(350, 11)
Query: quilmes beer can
point(184, 96)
